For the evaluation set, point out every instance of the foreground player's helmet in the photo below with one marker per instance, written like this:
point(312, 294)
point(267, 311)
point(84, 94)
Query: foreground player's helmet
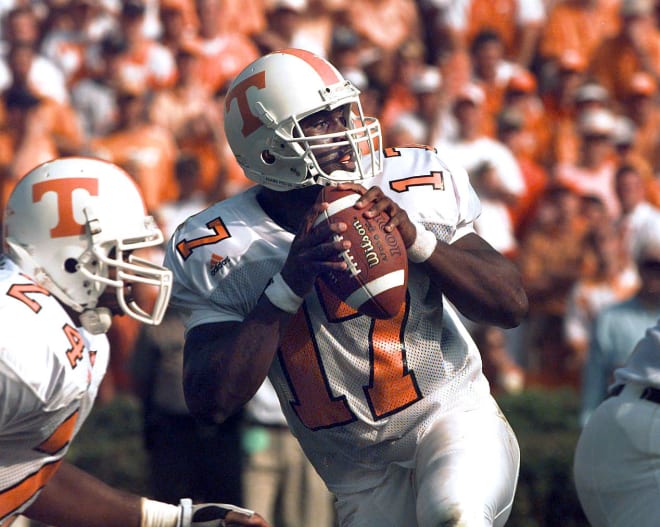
point(263, 109)
point(73, 224)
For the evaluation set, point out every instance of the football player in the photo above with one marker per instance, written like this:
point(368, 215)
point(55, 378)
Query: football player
point(396, 415)
point(73, 231)
point(617, 459)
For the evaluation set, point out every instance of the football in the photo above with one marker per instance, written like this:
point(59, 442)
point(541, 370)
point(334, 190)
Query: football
point(377, 276)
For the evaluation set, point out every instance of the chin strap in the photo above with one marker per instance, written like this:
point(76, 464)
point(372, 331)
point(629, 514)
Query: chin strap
point(97, 320)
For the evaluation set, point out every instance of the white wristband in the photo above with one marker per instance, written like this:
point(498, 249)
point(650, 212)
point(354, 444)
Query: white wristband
point(159, 514)
point(423, 246)
point(282, 296)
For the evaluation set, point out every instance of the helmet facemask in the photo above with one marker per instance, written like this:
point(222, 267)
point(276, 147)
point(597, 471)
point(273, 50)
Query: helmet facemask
point(111, 263)
point(361, 140)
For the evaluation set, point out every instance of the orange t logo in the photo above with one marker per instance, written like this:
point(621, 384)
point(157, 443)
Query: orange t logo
point(63, 188)
point(250, 121)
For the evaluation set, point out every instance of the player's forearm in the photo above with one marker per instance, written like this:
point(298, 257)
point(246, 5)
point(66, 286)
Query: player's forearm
point(74, 498)
point(223, 372)
point(480, 282)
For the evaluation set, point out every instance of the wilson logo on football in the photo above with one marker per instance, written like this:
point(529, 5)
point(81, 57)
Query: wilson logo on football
point(217, 262)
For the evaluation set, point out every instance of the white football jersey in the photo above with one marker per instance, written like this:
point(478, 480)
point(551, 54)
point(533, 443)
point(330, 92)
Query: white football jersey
point(50, 371)
point(357, 392)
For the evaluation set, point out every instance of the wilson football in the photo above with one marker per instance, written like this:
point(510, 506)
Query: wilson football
point(377, 276)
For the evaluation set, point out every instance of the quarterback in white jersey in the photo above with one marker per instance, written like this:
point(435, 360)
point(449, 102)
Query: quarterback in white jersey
point(395, 414)
point(70, 264)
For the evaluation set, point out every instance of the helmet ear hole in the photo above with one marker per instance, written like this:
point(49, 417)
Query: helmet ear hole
point(267, 157)
point(71, 265)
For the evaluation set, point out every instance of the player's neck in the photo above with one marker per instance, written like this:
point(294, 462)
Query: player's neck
point(288, 208)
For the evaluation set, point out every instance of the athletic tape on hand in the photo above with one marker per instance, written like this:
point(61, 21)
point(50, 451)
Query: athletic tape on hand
point(423, 246)
point(282, 296)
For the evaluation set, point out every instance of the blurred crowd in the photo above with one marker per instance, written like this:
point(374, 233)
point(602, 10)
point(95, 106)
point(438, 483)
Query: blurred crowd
point(552, 107)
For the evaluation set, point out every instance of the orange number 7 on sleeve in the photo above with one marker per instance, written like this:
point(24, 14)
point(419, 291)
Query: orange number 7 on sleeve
point(186, 247)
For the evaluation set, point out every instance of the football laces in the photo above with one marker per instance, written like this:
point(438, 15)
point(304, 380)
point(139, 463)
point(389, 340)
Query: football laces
point(348, 258)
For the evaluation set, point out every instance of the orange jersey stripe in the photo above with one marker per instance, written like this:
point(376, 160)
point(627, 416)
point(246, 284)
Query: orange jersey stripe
point(61, 437)
point(12, 498)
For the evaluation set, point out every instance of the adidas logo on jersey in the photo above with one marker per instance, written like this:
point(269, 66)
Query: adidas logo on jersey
point(217, 262)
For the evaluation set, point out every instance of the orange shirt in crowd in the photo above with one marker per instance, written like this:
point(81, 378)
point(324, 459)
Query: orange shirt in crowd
point(47, 131)
point(500, 15)
point(616, 61)
point(147, 152)
point(223, 57)
point(579, 26)
point(384, 23)
point(246, 17)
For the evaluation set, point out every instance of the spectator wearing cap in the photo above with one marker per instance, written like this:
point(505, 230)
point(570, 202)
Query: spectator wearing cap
point(565, 136)
point(578, 26)
point(492, 168)
point(617, 327)
point(424, 98)
point(635, 47)
point(593, 172)
point(433, 105)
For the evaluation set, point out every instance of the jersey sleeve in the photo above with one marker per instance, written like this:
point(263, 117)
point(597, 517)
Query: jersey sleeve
point(222, 259)
point(434, 192)
point(193, 287)
point(469, 205)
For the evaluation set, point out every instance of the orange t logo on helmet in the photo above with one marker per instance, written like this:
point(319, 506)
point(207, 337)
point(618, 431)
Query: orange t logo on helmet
point(64, 188)
point(250, 121)
point(258, 80)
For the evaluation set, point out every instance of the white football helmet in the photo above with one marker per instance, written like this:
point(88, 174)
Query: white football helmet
point(263, 109)
point(72, 224)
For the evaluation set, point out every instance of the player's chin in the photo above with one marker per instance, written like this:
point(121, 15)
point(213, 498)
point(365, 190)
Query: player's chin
point(336, 159)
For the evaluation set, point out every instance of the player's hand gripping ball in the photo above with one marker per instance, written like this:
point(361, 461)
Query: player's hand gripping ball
point(377, 276)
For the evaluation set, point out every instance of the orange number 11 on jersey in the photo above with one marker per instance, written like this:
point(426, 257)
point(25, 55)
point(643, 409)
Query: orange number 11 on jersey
point(392, 386)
